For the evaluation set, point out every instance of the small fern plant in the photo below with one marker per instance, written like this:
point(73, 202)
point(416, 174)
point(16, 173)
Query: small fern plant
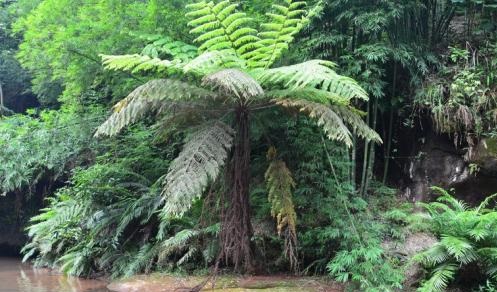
point(468, 237)
point(217, 93)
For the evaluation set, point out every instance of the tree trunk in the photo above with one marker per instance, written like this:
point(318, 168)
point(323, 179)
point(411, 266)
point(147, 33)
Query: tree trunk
point(236, 228)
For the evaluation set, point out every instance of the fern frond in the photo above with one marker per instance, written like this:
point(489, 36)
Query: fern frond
point(210, 62)
point(285, 21)
point(176, 243)
point(316, 74)
point(354, 121)
point(197, 165)
point(143, 260)
point(221, 27)
point(154, 96)
point(177, 50)
point(234, 82)
point(138, 63)
point(460, 248)
point(350, 116)
point(435, 255)
point(439, 279)
point(310, 94)
point(328, 119)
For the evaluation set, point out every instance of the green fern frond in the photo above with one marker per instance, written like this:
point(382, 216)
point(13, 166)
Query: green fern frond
point(328, 119)
point(310, 94)
point(458, 205)
point(197, 165)
point(221, 27)
point(191, 253)
point(460, 248)
point(164, 45)
point(435, 255)
point(154, 96)
point(285, 21)
point(317, 74)
point(210, 62)
point(149, 60)
point(354, 121)
point(138, 63)
point(439, 279)
point(176, 243)
point(233, 82)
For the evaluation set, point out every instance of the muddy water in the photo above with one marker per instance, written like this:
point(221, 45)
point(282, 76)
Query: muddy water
point(17, 277)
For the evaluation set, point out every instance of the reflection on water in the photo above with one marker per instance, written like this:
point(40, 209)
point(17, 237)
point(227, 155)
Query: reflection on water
point(17, 277)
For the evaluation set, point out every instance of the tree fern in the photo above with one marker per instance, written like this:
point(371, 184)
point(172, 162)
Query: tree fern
point(197, 165)
point(231, 78)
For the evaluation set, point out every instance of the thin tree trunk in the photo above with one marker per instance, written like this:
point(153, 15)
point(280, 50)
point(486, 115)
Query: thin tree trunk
point(1, 101)
point(371, 155)
point(390, 127)
point(365, 157)
point(353, 164)
point(236, 229)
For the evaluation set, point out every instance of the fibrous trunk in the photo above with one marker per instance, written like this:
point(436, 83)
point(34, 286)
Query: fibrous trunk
point(236, 229)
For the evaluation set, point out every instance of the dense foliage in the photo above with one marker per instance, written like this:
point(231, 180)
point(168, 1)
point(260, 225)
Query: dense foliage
point(467, 241)
point(258, 135)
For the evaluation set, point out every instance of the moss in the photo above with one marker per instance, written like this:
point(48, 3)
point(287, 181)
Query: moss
point(491, 144)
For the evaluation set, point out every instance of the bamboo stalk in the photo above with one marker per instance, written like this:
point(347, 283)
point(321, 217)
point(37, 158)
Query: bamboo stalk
point(1, 101)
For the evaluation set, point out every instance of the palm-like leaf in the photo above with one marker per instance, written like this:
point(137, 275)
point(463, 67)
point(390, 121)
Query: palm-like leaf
point(195, 167)
point(154, 96)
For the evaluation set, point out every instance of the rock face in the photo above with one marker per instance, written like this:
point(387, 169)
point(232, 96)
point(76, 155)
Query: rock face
point(435, 163)
point(484, 154)
point(413, 244)
point(471, 172)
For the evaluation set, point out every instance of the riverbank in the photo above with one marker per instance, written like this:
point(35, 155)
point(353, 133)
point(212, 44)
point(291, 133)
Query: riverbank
point(162, 282)
point(18, 277)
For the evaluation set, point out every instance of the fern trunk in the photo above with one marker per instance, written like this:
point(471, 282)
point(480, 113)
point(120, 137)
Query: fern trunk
point(236, 230)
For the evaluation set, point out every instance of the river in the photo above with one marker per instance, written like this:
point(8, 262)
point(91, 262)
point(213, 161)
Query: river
point(18, 277)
